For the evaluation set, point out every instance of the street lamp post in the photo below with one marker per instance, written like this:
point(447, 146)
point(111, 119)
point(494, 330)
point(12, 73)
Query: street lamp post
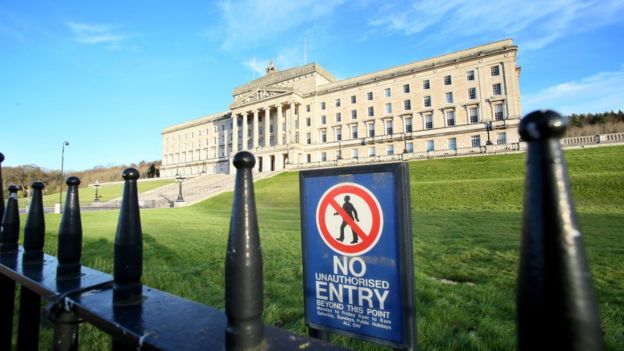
point(97, 187)
point(488, 128)
point(180, 178)
point(65, 143)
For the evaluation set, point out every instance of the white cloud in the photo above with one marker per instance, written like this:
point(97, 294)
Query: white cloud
point(86, 33)
point(534, 23)
point(600, 92)
point(256, 66)
point(250, 22)
point(283, 60)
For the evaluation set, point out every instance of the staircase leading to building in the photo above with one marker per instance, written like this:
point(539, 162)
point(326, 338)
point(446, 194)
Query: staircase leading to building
point(194, 190)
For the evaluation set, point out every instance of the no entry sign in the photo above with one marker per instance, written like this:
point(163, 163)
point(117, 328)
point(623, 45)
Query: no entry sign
point(365, 227)
point(357, 253)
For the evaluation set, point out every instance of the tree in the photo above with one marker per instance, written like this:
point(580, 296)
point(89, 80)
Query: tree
point(151, 171)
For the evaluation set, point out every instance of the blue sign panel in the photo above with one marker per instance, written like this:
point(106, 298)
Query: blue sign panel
point(356, 228)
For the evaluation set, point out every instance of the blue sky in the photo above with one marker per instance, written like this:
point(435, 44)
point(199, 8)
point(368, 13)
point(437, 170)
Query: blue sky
point(108, 76)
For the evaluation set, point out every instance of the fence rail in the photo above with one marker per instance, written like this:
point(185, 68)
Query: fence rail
point(556, 304)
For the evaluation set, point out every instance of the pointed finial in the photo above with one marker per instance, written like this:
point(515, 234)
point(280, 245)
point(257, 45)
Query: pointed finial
point(556, 303)
point(541, 125)
point(128, 263)
point(70, 233)
point(243, 265)
point(1, 190)
point(35, 226)
point(9, 230)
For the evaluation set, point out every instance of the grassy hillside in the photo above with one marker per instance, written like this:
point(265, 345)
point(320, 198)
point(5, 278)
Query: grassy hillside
point(466, 215)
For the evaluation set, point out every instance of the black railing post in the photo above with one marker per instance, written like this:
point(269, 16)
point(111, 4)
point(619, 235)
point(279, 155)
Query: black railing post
point(9, 232)
point(35, 227)
point(243, 264)
point(556, 304)
point(69, 267)
point(70, 233)
point(1, 188)
point(30, 303)
point(128, 264)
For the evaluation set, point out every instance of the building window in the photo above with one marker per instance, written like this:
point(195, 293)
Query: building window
point(323, 119)
point(426, 84)
point(452, 144)
point(353, 99)
point(430, 146)
point(449, 97)
point(429, 121)
point(338, 134)
point(338, 155)
point(337, 102)
point(323, 156)
point(371, 151)
point(308, 122)
point(338, 117)
point(408, 125)
point(472, 93)
point(389, 149)
point(470, 75)
point(353, 114)
point(388, 108)
point(308, 138)
point(409, 147)
point(387, 92)
point(369, 95)
point(354, 132)
point(322, 105)
point(496, 89)
point(371, 111)
point(475, 140)
point(450, 118)
point(354, 153)
point(427, 101)
point(407, 105)
point(371, 129)
point(389, 127)
point(406, 88)
point(473, 115)
point(447, 80)
point(499, 113)
point(502, 138)
point(495, 70)
point(307, 108)
point(309, 158)
point(323, 136)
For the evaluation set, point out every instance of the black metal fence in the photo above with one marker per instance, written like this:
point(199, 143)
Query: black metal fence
point(556, 306)
point(136, 316)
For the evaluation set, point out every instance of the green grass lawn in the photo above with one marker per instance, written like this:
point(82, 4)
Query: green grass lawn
point(107, 191)
point(466, 215)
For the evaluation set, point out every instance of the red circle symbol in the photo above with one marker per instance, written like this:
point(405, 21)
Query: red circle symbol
point(360, 213)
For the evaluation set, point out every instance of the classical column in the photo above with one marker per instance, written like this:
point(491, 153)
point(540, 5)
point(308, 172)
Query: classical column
point(279, 118)
point(255, 129)
point(245, 145)
point(292, 118)
point(225, 144)
point(267, 125)
point(234, 134)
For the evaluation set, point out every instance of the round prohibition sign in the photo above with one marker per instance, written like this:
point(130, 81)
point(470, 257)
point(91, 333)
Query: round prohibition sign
point(360, 213)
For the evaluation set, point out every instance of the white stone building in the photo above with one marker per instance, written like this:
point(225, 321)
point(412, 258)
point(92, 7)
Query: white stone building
point(463, 102)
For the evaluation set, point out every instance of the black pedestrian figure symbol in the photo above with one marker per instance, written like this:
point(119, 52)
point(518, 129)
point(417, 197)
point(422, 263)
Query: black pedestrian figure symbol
point(351, 212)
